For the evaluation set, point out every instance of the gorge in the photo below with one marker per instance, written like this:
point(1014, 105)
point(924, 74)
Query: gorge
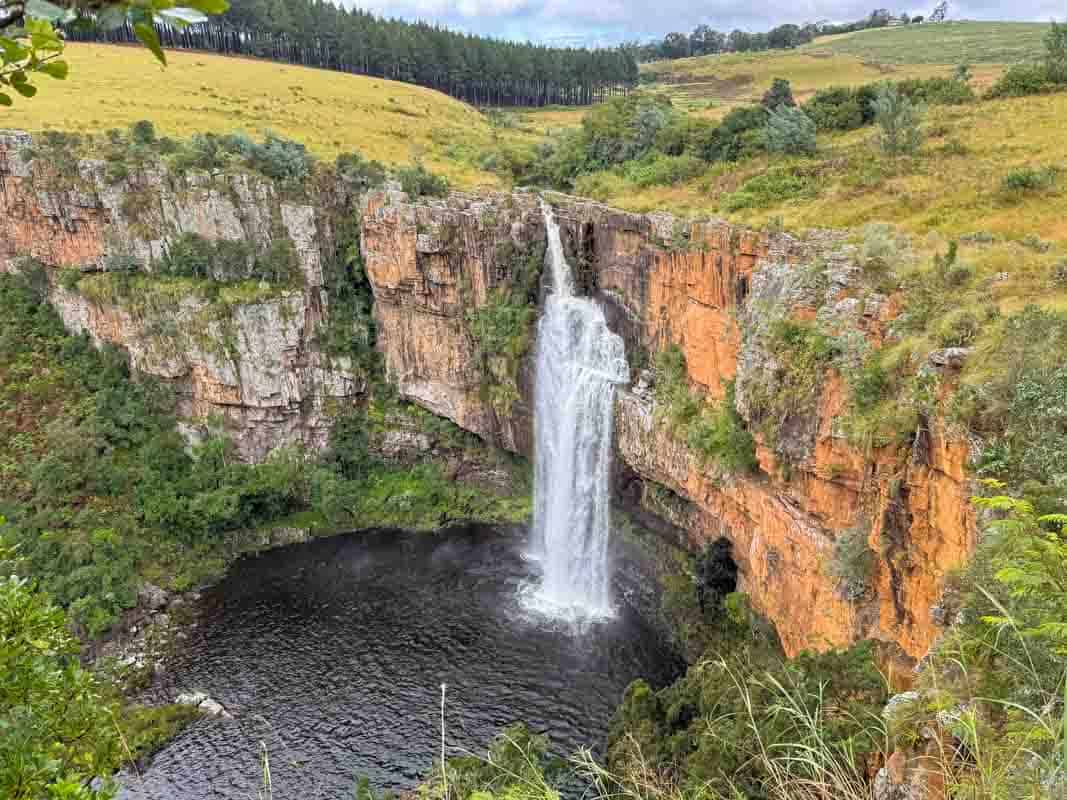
point(696, 373)
point(711, 290)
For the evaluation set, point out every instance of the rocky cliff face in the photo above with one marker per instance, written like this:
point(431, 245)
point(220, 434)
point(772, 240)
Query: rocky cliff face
point(251, 359)
point(712, 290)
point(250, 363)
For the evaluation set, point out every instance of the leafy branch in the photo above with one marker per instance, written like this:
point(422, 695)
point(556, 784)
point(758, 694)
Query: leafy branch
point(30, 43)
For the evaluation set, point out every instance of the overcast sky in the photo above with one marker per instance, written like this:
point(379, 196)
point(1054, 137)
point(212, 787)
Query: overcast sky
point(611, 21)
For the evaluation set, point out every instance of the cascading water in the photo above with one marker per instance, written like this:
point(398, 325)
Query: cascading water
point(579, 363)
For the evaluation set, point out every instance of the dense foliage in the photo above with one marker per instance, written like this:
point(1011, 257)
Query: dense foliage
point(57, 730)
point(101, 489)
point(714, 431)
point(321, 34)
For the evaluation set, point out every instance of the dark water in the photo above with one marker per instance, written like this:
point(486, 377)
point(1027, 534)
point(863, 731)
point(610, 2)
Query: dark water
point(331, 654)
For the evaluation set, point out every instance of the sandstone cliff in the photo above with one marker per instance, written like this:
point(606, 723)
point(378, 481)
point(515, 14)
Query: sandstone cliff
point(252, 360)
point(710, 289)
point(249, 363)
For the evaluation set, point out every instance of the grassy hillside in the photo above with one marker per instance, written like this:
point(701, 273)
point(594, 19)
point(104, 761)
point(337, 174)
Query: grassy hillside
point(112, 86)
point(712, 85)
point(952, 187)
point(947, 43)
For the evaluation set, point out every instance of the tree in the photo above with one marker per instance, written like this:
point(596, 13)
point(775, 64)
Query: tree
point(789, 130)
point(899, 121)
point(58, 732)
point(1056, 52)
point(780, 94)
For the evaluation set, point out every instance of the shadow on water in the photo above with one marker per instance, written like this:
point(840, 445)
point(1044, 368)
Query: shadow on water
point(332, 653)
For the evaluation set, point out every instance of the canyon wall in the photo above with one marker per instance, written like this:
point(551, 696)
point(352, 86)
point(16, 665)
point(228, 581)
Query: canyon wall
point(251, 361)
point(712, 290)
point(247, 360)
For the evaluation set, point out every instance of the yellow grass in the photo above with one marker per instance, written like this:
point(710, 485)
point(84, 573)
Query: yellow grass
point(330, 112)
point(941, 191)
point(712, 85)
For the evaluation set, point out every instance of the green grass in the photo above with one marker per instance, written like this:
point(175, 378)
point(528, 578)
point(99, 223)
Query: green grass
point(947, 43)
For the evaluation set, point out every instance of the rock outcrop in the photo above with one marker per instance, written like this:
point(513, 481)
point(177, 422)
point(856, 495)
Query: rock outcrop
point(248, 363)
point(711, 289)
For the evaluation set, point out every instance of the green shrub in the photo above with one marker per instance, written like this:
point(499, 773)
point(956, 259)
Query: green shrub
point(282, 159)
point(738, 135)
point(853, 562)
point(937, 91)
point(662, 170)
point(778, 96)
point(192, 256)
point(789, 130)
point(357, 171)
point(710, 732)
point(899, 119)
point(719, 434)
point(1018, 408)
point(1028, 179)
point(417, 181)
point(771, 188)
point(1022, 80)
point(715, 432)
point(143, 132)
point(502, 328)
point(58, 732)
point(841, 108)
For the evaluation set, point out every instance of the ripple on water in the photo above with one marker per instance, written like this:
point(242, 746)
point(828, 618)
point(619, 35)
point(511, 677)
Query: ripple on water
point(331, 655)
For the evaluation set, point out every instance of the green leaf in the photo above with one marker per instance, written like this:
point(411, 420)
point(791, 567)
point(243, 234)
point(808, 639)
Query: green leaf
point(25, 89)
point(184, 16)
point(146, 32)
point(209, 6)
point(5, 100)
point(12, 50)
point(56, 69)
point(41, 9)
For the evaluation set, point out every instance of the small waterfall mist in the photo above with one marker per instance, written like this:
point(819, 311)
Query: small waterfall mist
point(579, 363)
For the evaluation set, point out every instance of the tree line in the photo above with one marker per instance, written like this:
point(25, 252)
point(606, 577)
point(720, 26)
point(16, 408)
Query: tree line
point(314, 33)
point(705, 40)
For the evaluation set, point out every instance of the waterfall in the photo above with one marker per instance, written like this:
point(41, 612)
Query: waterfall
point(579, 363)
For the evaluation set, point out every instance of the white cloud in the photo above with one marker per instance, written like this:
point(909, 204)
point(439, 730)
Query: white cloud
point(616, 20)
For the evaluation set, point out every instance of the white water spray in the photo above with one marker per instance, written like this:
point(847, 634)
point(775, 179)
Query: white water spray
point(579, 363)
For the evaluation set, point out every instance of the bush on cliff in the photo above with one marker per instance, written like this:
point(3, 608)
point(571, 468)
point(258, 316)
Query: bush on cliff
point(192, 256)
point(714, 432)
point(741, 718)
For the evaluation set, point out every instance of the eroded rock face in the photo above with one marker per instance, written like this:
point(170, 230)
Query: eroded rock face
point(430, 264)
point(253, 365)
point(713, 290)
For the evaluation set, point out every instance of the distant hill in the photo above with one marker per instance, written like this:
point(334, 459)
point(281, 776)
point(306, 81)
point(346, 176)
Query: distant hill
point(716, 83)
point(943, 43)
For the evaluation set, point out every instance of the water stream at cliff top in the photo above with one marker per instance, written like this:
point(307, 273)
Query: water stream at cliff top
point(579, 364)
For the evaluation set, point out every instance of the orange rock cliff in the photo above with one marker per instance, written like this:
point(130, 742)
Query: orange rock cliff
point(710, 288)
